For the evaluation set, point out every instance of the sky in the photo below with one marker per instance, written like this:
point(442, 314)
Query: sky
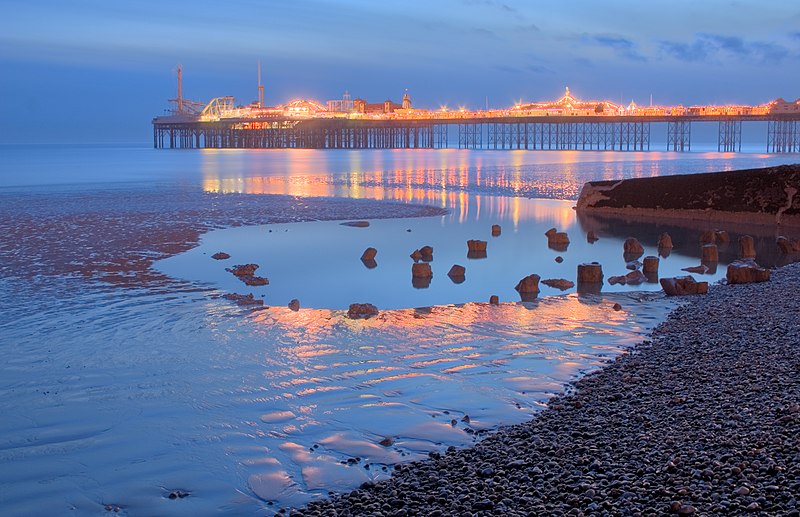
point(100, 70)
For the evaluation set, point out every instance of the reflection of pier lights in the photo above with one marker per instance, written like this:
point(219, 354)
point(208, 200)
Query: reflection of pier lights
point(730, 136)
point(679, 135)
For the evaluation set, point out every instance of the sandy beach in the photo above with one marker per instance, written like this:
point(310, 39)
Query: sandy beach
point(301, 401)
point(115, 235)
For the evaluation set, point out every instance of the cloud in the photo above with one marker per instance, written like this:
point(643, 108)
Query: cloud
point(620, 45)
point(484, 33)
point(697, 51)
point(534, 68)
point(491, 3)
point(707, 47)
point(539, 69)
point(528, 28)
point(508, 69)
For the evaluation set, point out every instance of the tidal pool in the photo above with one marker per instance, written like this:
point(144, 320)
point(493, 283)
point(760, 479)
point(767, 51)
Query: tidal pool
point(319, 263)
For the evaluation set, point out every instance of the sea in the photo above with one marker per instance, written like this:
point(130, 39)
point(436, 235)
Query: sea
point(147, 392)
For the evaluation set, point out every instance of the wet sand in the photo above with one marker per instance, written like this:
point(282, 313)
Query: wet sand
point(115, 235)
point(122, 386)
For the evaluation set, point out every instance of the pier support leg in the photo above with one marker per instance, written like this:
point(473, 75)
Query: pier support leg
point(730, 136)
point(679, 135)
point(783, 136)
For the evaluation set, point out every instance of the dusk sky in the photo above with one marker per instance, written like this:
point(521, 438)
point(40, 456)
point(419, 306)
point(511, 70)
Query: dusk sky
point(98, 71)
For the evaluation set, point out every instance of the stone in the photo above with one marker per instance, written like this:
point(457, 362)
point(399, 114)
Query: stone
point(243, 269)
point(369, 264)
point(710, 254)
point(617, 307)
point(416, 256)
point(618, 279)
point(387, 442)
point(745, 271)
point(708, 237)
point(722, 236)
point(702, 269)
point(633, 265)
point(665, 241)
point(590, 273)
point(254, 281)
point(496, 230)
point(635, 278)
point(556, 240)
point(243, 299)
point(476, 255)
point(427, 253)
point(650, 265)
point(559, 283)
point(747, 247)
point(784, 245)
point(457, 271)
point(529, 284)
point(559, 259)
point(361, 311)
point(369, 254)
point(494, 300)
point(476, 245)
point(420, 282)
point(632, 246)
point(683, 285)
point(294, 305)
point(356, 224)
point(220, 256)
point(483, 505)
point(421, 270)
point(592, 237)
point(457, 279)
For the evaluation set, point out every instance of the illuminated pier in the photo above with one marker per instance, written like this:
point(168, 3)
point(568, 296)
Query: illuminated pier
point(565, 124)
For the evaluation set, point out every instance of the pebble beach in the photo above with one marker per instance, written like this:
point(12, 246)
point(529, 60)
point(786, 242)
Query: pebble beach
point(702, 418)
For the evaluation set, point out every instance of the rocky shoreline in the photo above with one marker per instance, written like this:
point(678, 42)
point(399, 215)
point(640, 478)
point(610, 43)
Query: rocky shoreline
point(703, 418)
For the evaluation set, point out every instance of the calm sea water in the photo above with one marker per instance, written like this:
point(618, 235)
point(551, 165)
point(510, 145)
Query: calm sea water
point(113, 397)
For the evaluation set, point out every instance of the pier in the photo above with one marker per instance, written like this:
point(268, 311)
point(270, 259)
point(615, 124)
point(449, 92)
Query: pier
point(511, 133)
point(565, 124)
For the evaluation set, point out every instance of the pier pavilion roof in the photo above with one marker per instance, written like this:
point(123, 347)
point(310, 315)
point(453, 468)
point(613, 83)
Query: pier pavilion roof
point(568, 102)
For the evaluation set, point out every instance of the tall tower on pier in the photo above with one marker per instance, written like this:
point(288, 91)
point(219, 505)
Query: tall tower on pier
point(260, 88)
point(180, 105)
point(406, 100)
